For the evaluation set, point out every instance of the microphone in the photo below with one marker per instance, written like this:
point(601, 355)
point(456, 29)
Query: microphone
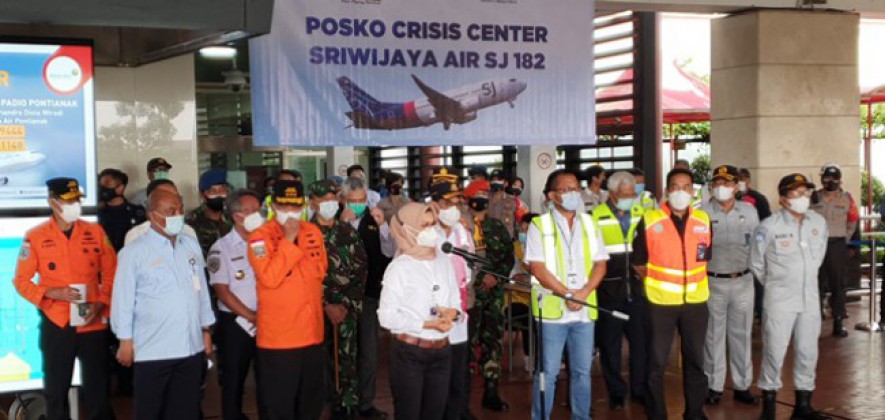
point(448, 248)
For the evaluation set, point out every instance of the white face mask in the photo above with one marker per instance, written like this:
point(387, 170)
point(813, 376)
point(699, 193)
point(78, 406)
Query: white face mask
point(742, 186)
point(282, 216)
point(427, 238)
point(799, 205)
point(571, 201)
point(174, 225)
point(253, 221)
point(328, 209)
point(450, 216)
point(723, 193)
point(679, 200)
point(70, 212)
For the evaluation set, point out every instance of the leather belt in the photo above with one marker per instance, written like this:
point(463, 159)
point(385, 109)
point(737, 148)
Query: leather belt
point(728, 275)
point(423, 343)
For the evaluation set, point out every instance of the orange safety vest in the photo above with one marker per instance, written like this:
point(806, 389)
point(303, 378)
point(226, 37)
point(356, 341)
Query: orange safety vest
point(289, 285)
point(677, 274)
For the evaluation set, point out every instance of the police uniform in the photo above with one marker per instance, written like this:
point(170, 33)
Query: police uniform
point(786, 255)
point(731, 293)
point(675, 252)
point(290, 313)
point(228, 264)
point(840, 212)
point(344, 285)
point(81, 256)
point(620, 290)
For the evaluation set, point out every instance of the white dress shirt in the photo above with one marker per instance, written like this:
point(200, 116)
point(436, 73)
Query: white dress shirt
point(412, 290)
point(388, 244)
point(576, 268)
point(228, 264)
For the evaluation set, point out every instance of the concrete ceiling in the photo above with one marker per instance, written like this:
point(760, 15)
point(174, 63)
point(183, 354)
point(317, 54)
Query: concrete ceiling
point(135, 32)
point(867, 8)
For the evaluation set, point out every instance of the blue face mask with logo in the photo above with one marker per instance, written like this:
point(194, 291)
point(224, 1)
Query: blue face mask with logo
point(357, 208)
point(625, 204)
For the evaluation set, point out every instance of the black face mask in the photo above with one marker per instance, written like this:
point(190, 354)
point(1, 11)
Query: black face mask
point(514, 191)
point(107, 194)
point(831, 185)
point(496, 186)
point(216, 204)
point(396, 189)
point(479, 203)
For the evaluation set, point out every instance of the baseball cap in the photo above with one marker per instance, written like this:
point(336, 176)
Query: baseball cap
point(64, 188)
point(726, 172)
point(831, 171)
point(156, 163)
point(791, 182)
point(444, 185)
point(288, 192)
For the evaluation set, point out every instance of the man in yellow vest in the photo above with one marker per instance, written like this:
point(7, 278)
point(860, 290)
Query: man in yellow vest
point(671, 250)
point(617, 219)
point(566, 255)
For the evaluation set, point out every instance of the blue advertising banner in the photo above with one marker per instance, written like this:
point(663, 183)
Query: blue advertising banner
point(47, 121)
point(424, 72)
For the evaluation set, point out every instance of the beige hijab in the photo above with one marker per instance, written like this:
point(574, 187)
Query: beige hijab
point(406, 226)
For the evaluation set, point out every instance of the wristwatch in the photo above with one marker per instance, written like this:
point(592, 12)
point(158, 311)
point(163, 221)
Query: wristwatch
point(569, 295)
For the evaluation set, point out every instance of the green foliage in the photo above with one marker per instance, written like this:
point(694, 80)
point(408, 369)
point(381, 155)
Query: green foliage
point(701, 168)
point(878, 190)
point(878, 120)
point(691, 130)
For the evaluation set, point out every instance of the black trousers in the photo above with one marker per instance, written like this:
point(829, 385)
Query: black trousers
point(292, 382)
point(832, 275)
point(236, 353)
point(169, 389)
point(367, 330)
point(60, 346)
point(610, 334)
point(459, 383)
point(419, 381)
point(691, 322)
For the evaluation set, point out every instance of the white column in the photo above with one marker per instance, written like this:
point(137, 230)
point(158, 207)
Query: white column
point(534, 164)
point(338, 158)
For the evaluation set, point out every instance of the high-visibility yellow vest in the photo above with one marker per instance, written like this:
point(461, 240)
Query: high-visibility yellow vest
point(647, 201)
point(675, 275)
point(554, 259)
point(612, 234)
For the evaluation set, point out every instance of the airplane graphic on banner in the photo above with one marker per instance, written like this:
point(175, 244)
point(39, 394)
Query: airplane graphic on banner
point(456, 106)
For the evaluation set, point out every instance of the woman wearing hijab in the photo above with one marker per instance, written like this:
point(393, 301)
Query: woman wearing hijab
point(420, 302)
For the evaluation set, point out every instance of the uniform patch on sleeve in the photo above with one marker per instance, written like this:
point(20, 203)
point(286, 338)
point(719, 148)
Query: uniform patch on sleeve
point(760, 237)
point(259, 249)
point(25, 251)
point(213, 264)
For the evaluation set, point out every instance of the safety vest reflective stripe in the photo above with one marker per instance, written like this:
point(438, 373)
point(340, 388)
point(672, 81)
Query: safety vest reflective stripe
point(674, 272)
point(554, 261)
point(619, 248)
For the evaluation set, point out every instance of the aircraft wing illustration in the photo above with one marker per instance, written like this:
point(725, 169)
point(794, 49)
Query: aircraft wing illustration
point(447, 109)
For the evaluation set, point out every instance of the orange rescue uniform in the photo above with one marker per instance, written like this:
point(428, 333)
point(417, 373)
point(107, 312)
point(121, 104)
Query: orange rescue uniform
point(86, 258)
point(290, 286)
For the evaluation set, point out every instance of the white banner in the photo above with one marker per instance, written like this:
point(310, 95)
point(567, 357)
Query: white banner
point(424, 72)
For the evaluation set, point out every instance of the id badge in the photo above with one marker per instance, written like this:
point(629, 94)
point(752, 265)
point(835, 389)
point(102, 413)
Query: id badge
point(195, 282)
point(572, 280)
point(702, 253)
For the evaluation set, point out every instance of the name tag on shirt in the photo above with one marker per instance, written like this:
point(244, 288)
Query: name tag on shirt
point(195, 281)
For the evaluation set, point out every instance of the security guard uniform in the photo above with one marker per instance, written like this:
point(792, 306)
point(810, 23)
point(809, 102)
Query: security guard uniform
point(620, 290)
point(290, 313)
point(80, 256)
point(840, 212)
point(786, 255)
point(731, 296)
point(228, 264)
point(675, 252)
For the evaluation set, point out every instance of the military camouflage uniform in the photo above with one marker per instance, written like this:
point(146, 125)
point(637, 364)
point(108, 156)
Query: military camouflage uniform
point(344, 284)
point(502, 206)
point(487, 316)
point(208, 230)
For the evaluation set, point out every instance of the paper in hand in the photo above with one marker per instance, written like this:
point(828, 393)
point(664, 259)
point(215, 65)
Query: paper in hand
point(247, 326)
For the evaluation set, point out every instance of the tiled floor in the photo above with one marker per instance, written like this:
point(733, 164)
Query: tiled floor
point(851, 385)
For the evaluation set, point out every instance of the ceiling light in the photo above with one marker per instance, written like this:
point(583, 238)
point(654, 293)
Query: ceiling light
point(218, 52)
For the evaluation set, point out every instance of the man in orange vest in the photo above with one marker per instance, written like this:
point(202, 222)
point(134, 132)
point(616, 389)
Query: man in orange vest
point(289, 260)
point(671, 250)
point(76, 264)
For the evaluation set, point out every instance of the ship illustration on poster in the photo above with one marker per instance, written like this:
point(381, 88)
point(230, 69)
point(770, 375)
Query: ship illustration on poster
point(456, 106)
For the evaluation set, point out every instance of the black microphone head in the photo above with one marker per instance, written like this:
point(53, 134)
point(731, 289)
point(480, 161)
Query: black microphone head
point(447, 247)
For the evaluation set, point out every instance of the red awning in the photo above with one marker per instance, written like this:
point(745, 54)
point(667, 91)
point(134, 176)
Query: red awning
point(872, 95)
point(684, 98)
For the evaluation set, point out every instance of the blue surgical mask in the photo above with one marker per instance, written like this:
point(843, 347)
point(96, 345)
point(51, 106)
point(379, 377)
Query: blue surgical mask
point(640, 188)
point(571, 201)
point(522, 237)
point(624, 204)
